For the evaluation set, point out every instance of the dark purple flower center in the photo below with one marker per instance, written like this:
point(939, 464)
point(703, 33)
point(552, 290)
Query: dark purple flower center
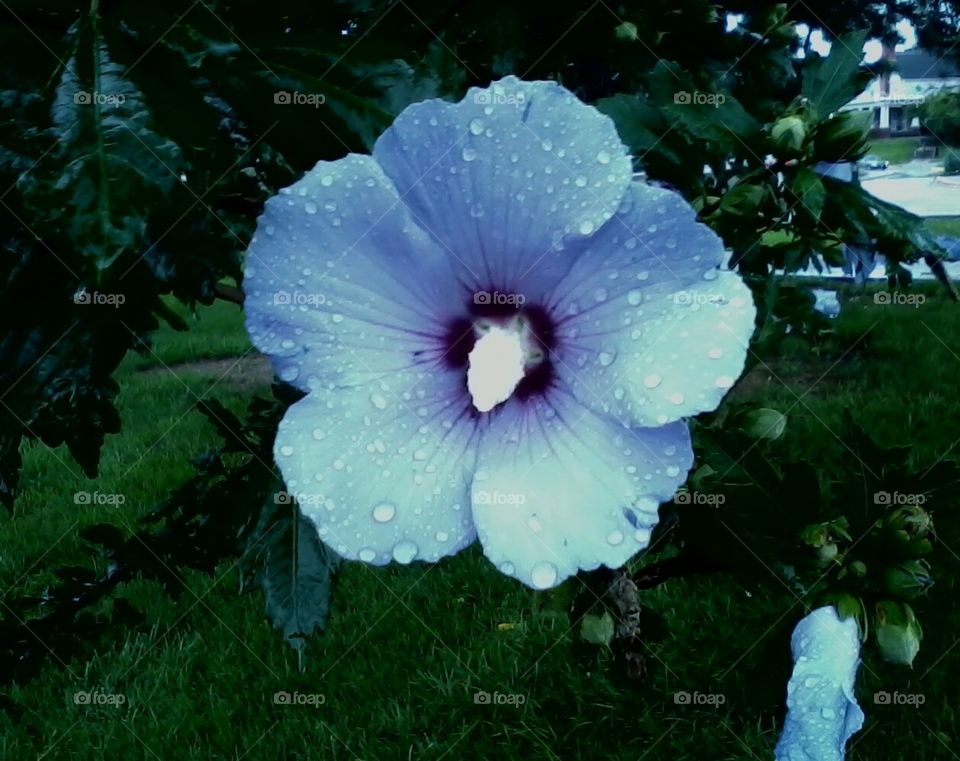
point(497, 308)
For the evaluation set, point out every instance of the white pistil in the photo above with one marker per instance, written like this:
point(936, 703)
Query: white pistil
point(500, 358)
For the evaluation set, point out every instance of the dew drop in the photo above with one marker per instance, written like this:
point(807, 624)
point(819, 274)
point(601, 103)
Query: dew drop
point(652, 381)
point(543, 574)
point(378, 401)
point(634, 297)
point(384, 512)
point(476, 126)
point(310, 207)
point(606, 358)
point(326, 180)
point(469, 154)
point(614, 538)
point(603, 157)
point(319, 434)
point(405, 551)
point(286, 450)
point(367, 555)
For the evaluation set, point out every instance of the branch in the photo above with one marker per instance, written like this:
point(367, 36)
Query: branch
point(228, 293)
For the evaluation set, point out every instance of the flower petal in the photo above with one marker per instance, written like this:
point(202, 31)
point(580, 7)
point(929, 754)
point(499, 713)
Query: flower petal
point(649, 329)
point(383, 470)
point(503, 177)
point(560, 488)
point(822, 710)
point(340, 284)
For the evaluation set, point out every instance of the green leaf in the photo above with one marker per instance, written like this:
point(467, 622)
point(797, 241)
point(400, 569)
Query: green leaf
point(742, 200)
point(112, 169)
point(295, 570)
point(830, 82)
point(597, 630)
point(808, 188)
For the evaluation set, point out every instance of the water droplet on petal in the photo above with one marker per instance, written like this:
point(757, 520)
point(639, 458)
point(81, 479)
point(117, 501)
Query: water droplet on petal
point(715, 353)
point(378, 401)
point(724, 381)
point(367, 555)
point(319, 434)
point(676, 398)
point(543, 575)
point(326, 180)
point(614, 538)
point(405, 551)
point(310, 207)
point(469, 154)
point(606, 358)
point(384, 512)
point(603, 157)
point(634, 297)
point(476, 126)
point(286, 450)
point(652, 381)
point(586, 227)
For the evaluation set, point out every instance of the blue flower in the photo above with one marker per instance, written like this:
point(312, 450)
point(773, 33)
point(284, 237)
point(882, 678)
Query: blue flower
point(499, 333)
point(822, 710)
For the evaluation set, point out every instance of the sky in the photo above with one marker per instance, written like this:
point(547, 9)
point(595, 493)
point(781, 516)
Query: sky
point(871, 48)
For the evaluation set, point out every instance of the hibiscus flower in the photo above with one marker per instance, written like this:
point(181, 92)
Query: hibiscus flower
point(500, 332)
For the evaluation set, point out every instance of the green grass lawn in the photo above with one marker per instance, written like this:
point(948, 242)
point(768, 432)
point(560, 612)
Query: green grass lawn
point(896, 150)
point(408, 647)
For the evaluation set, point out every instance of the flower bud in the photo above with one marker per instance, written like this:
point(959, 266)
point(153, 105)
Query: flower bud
point(908, 579)
point(898, 633)
point(789, 133)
